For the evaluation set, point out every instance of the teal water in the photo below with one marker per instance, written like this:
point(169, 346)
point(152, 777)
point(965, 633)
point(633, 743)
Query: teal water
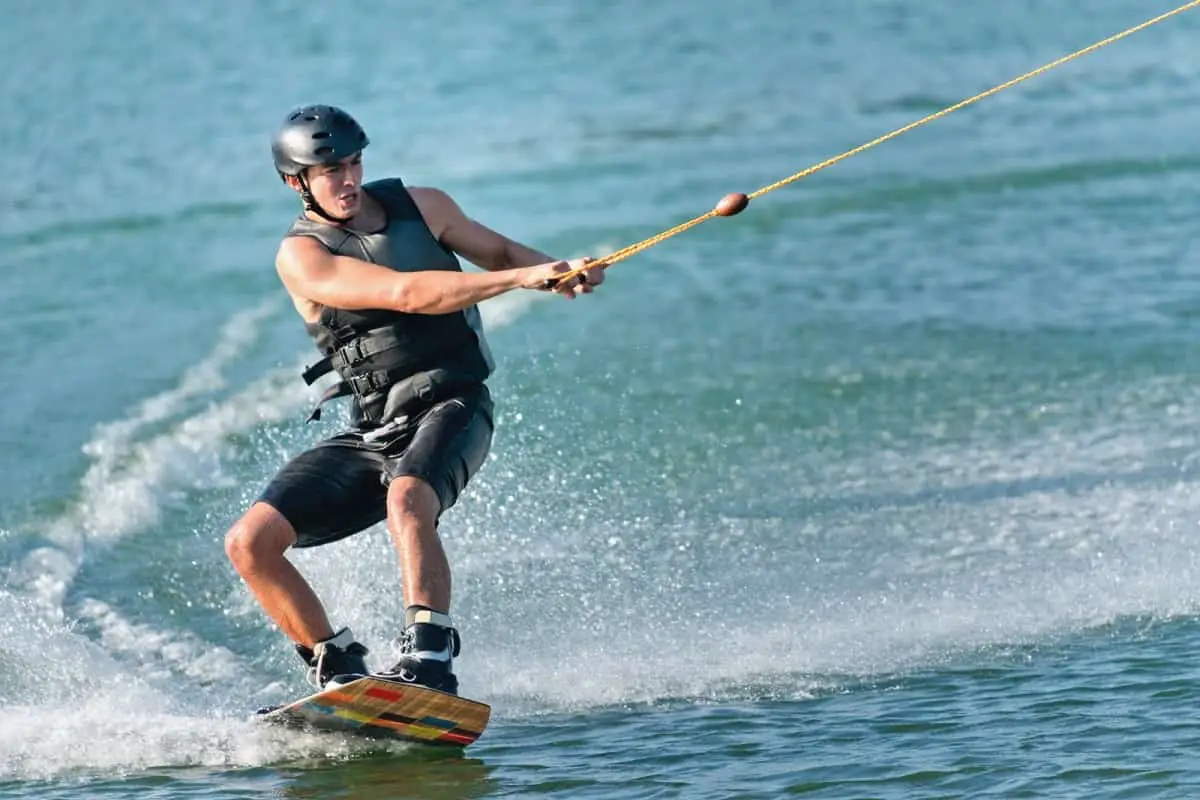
point(884, 488)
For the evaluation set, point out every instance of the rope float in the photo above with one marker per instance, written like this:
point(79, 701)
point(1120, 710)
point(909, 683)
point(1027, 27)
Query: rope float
point(736, 202)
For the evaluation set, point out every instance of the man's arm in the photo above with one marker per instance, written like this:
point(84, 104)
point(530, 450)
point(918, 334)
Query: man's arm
point(310, 271)
point(486, 248)
point(474, 241)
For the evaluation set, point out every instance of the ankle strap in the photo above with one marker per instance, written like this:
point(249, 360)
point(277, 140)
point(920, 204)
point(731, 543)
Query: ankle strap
point(429, 617)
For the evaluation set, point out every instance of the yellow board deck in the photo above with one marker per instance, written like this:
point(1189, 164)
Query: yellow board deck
point(388, 709)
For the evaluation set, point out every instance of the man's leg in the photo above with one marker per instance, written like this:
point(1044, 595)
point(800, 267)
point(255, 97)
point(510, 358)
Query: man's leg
point(324, 494)
point(413, 509)
point(449, 445)
point(429, 642)
point(255, 545)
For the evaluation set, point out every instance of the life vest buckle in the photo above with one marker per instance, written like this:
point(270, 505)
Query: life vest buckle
point(352, 353)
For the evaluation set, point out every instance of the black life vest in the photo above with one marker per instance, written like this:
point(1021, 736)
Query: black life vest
point(390, 360)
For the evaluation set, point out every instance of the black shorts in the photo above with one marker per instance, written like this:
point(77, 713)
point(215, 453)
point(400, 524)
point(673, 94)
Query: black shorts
point(339, 487)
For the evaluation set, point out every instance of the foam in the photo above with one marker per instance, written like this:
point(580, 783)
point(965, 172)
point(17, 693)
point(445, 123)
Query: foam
point(121, 732)
point(128, 696)
point(892, 561)
point(158, 654)
point(917, 555)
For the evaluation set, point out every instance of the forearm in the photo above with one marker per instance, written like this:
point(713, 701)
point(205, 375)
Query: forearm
point(444, 292)
point(515, 254)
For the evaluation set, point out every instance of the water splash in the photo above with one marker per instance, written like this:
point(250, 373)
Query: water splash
point(108, 694)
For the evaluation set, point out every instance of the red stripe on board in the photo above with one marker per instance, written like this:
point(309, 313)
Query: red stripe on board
point(383, 694)
point(457, 738)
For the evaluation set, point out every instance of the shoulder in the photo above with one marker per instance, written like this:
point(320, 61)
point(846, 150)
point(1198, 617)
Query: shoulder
point(426, 197)
point(385, 186)
point(436, 206)
point(432, 197)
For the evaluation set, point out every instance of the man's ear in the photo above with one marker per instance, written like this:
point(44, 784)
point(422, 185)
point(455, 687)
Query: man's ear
point(292, 181)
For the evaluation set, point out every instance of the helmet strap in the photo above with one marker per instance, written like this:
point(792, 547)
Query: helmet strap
point(311, 204)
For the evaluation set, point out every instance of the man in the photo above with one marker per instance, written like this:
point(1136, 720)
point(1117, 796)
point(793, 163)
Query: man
point(372, 270)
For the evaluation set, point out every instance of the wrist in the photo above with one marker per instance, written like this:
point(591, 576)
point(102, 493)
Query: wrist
point(514, 278)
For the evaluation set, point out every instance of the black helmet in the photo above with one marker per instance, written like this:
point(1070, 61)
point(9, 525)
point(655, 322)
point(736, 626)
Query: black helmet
point(314, 135)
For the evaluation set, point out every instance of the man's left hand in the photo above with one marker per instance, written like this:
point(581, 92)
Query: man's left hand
point(588, 280)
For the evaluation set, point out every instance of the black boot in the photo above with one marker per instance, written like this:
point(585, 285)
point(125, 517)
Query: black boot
point(334, 661)
point(427, 651)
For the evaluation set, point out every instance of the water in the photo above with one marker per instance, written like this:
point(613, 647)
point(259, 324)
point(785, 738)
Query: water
point(884, 488)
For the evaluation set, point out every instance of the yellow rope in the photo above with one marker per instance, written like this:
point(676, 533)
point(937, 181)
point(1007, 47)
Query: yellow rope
point(638, 247)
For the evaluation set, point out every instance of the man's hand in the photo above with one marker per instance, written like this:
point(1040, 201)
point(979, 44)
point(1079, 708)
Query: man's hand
point(545, 277)
point(590, 279)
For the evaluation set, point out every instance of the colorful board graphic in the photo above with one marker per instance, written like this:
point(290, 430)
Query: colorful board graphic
point(387, 709)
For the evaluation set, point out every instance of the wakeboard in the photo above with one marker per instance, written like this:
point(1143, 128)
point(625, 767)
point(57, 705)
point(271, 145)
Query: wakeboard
point(383, 709)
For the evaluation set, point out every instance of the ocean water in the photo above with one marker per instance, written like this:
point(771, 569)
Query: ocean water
point(884, 488)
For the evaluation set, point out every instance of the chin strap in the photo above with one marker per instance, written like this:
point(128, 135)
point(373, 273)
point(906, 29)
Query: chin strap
point(311, 204)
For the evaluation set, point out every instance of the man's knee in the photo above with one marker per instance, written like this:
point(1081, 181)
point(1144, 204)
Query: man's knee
point(412, 498)
point(260, 536)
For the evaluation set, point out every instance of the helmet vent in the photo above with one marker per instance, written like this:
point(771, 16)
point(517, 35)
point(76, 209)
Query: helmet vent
point(314, 134)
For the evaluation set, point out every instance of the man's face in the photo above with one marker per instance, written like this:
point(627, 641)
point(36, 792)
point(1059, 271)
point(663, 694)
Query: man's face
point(337, 187)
